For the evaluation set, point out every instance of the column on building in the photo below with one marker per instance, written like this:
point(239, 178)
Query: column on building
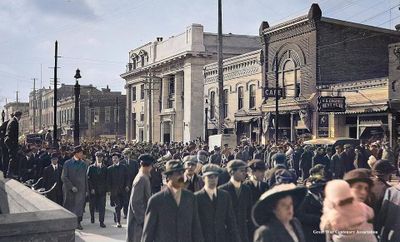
point(292, 128)
point(164, 97)
point(156, 91)
point(128, 112)
point(179, 125)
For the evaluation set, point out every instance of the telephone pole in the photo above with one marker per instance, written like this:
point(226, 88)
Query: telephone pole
point(117, 119)
point(34, 105)
point(220, 72)
point(55, 143)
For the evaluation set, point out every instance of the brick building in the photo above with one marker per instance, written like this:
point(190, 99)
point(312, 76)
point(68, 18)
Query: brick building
point(312, 54)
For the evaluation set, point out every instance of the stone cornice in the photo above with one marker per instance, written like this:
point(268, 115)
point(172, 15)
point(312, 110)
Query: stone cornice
point(355, 85)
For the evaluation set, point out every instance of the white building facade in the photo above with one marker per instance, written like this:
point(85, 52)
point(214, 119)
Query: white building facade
point(165, 84)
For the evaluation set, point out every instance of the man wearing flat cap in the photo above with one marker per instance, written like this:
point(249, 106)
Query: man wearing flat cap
point(193, 182)
point(216, 158)
point(140, 195)
point(172, 214)
point(51, 176)
point(241, 196)
point(117, 179)
point(97, 180)
point(75, 185)
point(216, 214)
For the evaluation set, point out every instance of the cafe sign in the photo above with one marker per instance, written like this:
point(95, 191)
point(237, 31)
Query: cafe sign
point(271, 92)
point(331, 104)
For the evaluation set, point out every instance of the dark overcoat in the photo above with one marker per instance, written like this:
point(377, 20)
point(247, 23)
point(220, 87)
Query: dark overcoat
point(97, 179)
point(388, 222)
point(51, 176)
point(274, 231)
point(165, 221)
point(255, 195)
point(309, 214)
point(242, 207)
point(74, 175)
point(217, 219)
point(117, 179)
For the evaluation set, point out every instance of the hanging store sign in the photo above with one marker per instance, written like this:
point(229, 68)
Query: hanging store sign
point(331, 104)
point(271, 92)
point(323, 125)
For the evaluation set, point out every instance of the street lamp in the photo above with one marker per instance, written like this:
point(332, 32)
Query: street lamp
point(77, 90)
point(206, 106)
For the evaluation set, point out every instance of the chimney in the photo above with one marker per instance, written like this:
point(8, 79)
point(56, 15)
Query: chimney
point(159, 39)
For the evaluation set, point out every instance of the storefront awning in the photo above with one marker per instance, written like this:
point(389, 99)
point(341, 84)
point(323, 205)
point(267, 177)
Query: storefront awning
point(364, 109)
point(368, 132)
point(246, 119)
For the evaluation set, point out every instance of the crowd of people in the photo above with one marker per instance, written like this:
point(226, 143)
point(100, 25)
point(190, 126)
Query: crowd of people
point(189, 192)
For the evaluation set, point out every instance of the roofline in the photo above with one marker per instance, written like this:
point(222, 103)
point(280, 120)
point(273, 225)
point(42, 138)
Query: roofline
point(232, 59)
point(359, 25)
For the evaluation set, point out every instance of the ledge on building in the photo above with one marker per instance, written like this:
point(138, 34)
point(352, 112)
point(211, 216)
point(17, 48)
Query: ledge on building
point(28, 216)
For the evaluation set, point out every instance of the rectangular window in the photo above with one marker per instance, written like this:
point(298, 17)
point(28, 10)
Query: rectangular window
point(115, 114)
point(133, 94)
point(171, 89)
point(107, 112)
point(142, 117)
point(142, 92)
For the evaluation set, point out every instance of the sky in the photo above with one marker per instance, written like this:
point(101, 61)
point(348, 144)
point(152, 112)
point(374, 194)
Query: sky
point(97, 35)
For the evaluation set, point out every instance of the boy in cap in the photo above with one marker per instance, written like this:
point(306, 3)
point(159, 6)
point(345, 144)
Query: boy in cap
point(97, 181)
point(241, 196)
point(216, 214)
point(141, 192)
point(172, 214)
point(52, 175)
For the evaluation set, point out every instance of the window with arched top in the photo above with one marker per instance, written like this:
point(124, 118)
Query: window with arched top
point(289, 74)
point(252, 96)
point(240, 98)
point(212, 105)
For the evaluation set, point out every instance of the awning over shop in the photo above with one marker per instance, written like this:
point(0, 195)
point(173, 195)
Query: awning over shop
point(246, 119)
point(364, 109)
point(368, 132)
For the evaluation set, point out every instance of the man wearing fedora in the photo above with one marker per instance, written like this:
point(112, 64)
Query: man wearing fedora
point(216, 214)
point(97, 181)
point(140, 194)
point(75, 185)
point(193, 182)
point(241, 196)
point(172, 214)
point(117, 179)
point(52, 175)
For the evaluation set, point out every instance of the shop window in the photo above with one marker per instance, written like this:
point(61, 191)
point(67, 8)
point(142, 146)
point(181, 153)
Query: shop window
point(240, 98)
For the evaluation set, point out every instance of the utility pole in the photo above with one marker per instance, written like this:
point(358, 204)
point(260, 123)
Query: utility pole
point(16, 96)
point(276, 100)
point(220, 72)
point(117, 119)
point(34, 105)
point(55, 143)
point(77, 90)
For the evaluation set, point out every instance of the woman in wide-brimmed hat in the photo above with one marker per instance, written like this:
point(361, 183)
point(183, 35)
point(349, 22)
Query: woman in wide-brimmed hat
point(274, 214)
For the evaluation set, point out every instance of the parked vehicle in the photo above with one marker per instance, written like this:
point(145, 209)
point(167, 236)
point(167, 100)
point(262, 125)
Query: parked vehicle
point(332, 142)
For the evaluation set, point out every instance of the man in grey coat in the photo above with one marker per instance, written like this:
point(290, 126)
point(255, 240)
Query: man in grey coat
point(75, 186)
point(140, 194)
point(172, 214)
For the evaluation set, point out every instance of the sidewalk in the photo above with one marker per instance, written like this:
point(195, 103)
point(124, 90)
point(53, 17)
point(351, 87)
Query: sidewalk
point(93, 232)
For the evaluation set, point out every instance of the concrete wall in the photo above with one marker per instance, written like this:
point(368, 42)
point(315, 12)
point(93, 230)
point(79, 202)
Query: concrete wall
point(28, 216)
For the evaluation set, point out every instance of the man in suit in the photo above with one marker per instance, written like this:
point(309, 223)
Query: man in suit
point(52, 175)
point(11, 141)
point(172, 214)
point(257, 186)
point(133, 169)
point(97, 181)
point(216, 214)
point(241, 196)
point(193, 182)
point(117, 178)
point(216, 158)
point(141, 192)
point(4, 151)
point(75, 185)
